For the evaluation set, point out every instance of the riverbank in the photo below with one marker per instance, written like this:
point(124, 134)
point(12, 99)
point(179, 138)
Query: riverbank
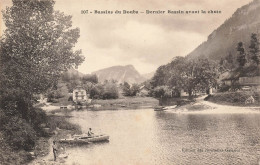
point(124, 103)
point(180, 101)
point(58, 127)
point(238, 98)
point(201, 106)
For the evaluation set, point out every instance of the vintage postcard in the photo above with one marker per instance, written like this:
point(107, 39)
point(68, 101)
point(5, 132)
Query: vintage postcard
point(120, 82)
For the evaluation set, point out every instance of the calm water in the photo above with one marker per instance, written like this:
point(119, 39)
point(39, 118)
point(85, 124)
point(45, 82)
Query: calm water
point(148, 137)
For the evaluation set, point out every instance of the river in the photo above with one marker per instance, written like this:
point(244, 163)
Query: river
point(162, 138)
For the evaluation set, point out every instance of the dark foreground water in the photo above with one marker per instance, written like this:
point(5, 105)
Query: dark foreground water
point(148, 137)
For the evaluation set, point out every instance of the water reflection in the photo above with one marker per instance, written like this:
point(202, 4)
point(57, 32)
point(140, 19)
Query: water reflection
point(148, 137)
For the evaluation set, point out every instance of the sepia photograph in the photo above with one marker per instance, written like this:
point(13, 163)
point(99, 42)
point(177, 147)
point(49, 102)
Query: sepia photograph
point(129, 82)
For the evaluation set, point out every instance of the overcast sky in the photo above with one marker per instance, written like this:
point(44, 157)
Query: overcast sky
point(145, 41)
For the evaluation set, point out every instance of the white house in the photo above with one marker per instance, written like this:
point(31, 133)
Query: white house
point(79, 94)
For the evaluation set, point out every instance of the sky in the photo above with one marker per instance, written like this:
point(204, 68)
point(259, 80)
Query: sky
point(145, 41)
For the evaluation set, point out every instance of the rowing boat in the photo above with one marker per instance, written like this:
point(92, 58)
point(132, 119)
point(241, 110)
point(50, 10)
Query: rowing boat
point(85, 139)
point(158, 108)
point(170, 107)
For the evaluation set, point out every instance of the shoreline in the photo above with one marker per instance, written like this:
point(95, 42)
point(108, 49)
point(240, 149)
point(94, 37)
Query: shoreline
point(125, 103)
point(43, 150)
point(235, 105)
point(239, 98)
point(200, 106)
point(193, 106)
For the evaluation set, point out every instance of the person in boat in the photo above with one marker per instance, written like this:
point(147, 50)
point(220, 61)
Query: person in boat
point(54, 147)
point(90, 133)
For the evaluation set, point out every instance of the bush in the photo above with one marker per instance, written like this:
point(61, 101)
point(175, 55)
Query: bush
point(97, 91)
point(130, 90)
point(54, 95)
point(19, 134)
point(110, 92)
point(236, 98)
point(110, 95)
point(38, 117)
point(161, 92)
point(235, 86)
point(60, 122)
point(224, 88)
point(106, 91)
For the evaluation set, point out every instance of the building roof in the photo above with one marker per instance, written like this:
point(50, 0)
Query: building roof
point(232, 75)
point(143, 87)
point(249, 81)
point(78, 87)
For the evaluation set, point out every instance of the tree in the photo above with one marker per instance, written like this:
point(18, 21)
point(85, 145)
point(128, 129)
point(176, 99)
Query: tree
point(230, 62)
point(89, 78)
point(97, 91)
point(126, 89)
point(227, 63)
point(104, 91)
point(134, 89)
point(161, 92)
point(182, 73)
point(53, 94)
point(160, 76)
point(174, 73)
point(110, 91)
point(130, 90)
point(37, 46)
point(199, 75)
point(241, 58)
point(229, 58)
point(254, 49)
point(73, 83)
point(88, 86)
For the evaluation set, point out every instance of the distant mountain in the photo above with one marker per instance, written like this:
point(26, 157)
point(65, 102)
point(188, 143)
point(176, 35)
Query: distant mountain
point(120, 73)
point(223, 40)
point(148, 75)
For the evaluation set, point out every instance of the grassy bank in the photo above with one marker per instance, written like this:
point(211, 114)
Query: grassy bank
point(55, 127)
point(235, 98)
point(125, 103)
point(180, 101)
point(195, 107)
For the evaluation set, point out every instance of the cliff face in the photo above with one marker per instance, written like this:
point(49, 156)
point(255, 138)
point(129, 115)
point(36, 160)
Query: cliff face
point(120, 73)
point(223, 40)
